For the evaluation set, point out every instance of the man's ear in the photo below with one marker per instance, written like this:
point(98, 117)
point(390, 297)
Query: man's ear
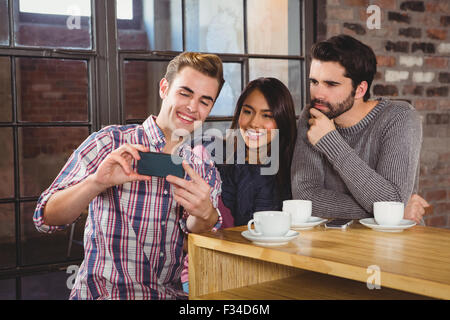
point(361, 90)
point(163, 88)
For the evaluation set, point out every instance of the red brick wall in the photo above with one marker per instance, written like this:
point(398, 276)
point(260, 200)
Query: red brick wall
point(52, 90)
point(136, 88)
point(49, 90)
point(413, 53)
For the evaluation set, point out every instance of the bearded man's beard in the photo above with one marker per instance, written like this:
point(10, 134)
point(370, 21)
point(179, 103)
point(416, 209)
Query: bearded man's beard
point(335, 110)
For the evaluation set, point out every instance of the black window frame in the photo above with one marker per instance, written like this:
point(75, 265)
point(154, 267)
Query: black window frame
point(307, 22)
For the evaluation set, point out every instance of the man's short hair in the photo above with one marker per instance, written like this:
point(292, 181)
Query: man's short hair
point(208, 64)
point(358, 59)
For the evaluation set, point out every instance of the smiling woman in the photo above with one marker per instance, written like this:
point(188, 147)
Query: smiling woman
point(256, 120)
point(265, 105)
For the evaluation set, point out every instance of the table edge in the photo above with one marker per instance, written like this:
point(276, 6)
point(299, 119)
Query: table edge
point(353, 272)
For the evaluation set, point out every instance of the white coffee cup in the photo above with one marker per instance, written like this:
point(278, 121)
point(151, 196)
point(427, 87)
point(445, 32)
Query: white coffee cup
point(270, 223)
point(388, 213)
point(300, 210)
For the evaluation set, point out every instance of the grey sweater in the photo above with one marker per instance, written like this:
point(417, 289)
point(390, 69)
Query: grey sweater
point(351, 168)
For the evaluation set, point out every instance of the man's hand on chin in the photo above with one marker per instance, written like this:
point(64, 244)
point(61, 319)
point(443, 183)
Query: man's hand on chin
point(319, 126)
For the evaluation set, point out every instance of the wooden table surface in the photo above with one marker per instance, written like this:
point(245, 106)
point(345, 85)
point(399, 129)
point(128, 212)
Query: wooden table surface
point(416, 260)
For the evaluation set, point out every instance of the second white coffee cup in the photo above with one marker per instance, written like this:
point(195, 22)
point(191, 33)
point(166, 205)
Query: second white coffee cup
point(270, 223)
point(300, 210)
point(388, 213)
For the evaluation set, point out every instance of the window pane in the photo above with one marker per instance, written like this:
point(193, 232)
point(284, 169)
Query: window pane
point(273, 27)
point(48, 286)
point(49, 23)
point(231, 90)
point(5, 90)
point(150, 24)
point(287, 71)
point(214, 26)
point(42, 154)
point(52, 90)
point(8, 289)
point(6, 163)
point(40, 247)
point(141, 85)
point(4, 23)
point(124, 9)
point(7, 236)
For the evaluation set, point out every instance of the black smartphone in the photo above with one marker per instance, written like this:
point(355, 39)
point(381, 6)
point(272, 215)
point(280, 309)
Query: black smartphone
point(159, 164)
point(338, 223)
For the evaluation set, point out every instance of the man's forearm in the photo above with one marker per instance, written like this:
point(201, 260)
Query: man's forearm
point(65, 206)
point(329, 203)
point(308, 182)
point(387, 182)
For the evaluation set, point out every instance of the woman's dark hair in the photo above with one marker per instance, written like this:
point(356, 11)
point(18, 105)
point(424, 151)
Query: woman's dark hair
point(359, 60)
point(281, 104)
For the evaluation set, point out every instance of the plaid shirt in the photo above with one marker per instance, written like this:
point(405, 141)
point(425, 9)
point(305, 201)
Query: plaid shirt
point(134, 233)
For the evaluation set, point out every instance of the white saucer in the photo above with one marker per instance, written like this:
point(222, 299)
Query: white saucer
point(311, 223)
point(371, 223)
point(270, 241)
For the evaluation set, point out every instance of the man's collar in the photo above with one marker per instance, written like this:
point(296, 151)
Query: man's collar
point(154, 133)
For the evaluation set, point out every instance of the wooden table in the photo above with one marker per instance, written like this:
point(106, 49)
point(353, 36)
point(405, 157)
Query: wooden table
point(322, 264)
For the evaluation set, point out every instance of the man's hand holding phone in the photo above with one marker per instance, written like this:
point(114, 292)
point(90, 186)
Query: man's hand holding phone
point(65, 206)
point(116, 168)
point(194, 196)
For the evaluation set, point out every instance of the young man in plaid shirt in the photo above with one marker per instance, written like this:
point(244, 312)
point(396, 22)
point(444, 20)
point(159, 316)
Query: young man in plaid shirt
point(136, 227)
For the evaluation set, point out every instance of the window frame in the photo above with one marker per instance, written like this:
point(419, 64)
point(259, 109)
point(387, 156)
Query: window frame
point(307, 22)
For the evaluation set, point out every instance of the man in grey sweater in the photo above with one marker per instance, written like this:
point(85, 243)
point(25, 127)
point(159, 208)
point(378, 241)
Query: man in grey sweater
point(352, 151)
